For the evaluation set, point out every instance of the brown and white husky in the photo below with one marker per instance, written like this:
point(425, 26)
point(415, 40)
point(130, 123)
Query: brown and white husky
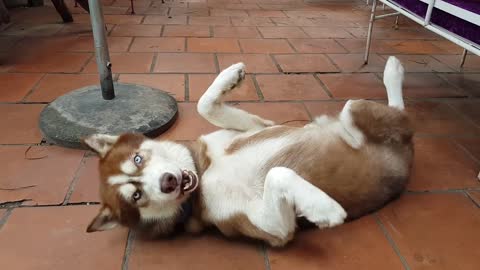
point(254, 178)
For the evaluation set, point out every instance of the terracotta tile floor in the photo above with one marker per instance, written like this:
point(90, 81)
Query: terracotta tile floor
point(304, 58)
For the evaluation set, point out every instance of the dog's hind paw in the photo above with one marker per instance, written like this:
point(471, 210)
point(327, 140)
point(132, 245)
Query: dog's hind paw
point(393, 71)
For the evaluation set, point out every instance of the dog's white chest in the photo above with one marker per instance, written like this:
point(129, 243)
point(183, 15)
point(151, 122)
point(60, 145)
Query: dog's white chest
point(233, 180)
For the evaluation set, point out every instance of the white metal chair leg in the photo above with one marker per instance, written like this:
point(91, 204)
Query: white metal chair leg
point(369, 34)
point(396, 22)
point(464, 56)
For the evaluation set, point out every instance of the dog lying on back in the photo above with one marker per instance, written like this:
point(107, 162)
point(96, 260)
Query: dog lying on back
point(253, 178)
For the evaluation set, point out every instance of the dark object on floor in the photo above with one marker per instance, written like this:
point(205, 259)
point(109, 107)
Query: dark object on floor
point(4, 16)
point(62, 9)
point(83, 112)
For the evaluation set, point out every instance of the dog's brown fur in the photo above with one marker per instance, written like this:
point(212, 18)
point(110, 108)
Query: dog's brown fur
point(358, 179)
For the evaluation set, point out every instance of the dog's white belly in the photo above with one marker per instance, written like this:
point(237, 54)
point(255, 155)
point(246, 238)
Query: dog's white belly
point(234, 182)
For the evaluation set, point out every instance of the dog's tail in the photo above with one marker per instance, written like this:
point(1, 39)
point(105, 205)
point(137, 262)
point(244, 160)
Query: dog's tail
point(393, 80)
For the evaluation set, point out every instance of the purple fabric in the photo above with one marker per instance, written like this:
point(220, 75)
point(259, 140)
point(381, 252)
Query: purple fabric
point(415, 6)
point(445, 20)
point(456, 25)
point(470, 5)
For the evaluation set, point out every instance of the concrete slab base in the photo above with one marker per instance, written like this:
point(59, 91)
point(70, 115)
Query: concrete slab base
point(83, 112)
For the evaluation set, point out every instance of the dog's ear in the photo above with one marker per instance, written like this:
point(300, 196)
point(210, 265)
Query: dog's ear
point(105, 220)
point(100, 143)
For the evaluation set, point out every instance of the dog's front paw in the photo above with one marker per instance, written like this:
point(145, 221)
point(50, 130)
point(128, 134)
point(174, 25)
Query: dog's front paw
point(264, 122)
point(231, 77)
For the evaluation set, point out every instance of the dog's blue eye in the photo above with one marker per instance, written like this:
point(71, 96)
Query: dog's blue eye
point(137, 195)
point(137, 159)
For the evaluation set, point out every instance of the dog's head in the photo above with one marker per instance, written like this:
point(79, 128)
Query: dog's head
point(143, 182)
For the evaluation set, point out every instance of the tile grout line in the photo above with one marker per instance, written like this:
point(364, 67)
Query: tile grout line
point(131, 44)
point(74, 181)
point(128, 249)
point(339, 70)
point(23, 144)
point(154, 62)
point(26, 103)
point(468, 197)
point(308, 111)
point(217, 63)
point(258, 35)
point(259, 32)
point(187, 87)
point(109, 33)
point(162, 30)
point(92, 56)
point(230, 53)
point(457, 69)
point(458, 89)
point(291, 46)
point(239, 46)
point(436, 100)
point(343, 47)
point(392, 243)
point(462, 115)
point(379, 76)
point(34, 87)
point(257, 88)
point(211, 31)
point(277, 65)
point(295, 51)
point(5, 216)
point(324, 86)
point(303, 31)
point(465, 150)
point(438, 191)
point(423, 134)
point(53, 205)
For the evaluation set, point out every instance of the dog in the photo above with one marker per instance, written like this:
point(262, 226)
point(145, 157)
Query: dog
point(253, 178)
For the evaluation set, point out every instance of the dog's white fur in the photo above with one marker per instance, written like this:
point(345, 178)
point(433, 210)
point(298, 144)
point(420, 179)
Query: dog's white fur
point(271, 203)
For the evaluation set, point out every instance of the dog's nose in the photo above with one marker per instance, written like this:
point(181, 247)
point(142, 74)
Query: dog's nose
point(168, 183)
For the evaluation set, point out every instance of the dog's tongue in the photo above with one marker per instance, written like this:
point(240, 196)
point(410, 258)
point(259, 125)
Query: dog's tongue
point(189, 181)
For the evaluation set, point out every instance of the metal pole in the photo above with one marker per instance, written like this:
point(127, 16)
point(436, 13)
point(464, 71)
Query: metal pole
point(369, 34)
point(131, 6)
point(101, 49)
point(464, 55)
